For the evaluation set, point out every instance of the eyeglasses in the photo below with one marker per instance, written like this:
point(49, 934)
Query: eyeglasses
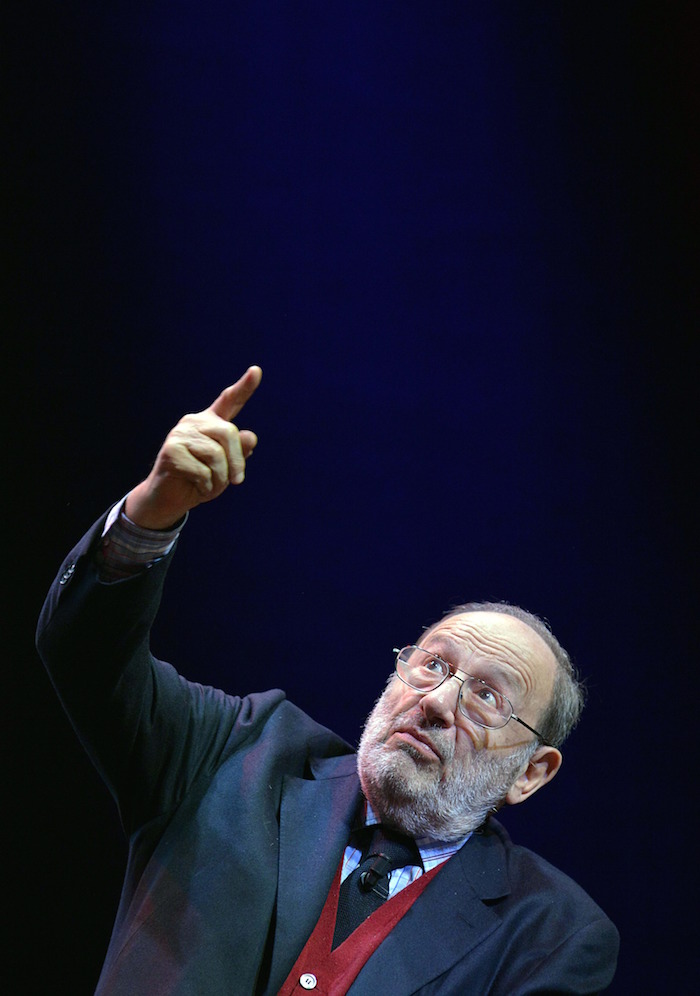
point(480, 703)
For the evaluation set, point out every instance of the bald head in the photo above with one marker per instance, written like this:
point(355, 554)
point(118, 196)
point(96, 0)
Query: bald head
point(562, 708)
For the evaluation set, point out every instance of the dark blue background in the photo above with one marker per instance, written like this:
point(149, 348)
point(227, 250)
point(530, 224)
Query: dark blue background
point(456, 237)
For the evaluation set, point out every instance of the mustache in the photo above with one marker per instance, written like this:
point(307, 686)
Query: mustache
point(414, 722)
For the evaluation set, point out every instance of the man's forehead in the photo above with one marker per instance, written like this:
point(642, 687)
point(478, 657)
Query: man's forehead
point(491, 635)
point(467, 625)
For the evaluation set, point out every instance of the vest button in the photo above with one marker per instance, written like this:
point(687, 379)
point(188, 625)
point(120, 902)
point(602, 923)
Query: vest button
point(308, 981)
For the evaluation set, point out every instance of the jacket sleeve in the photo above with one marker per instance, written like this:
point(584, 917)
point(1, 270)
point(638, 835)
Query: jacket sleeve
point(149, 732)
point(557, 939)
point(584, 962)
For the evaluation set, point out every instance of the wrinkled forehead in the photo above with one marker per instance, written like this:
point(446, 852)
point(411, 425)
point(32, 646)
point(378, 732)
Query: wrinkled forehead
point(497, 640)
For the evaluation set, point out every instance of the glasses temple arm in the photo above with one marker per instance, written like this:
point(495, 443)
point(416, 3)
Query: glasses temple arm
point(543, 740)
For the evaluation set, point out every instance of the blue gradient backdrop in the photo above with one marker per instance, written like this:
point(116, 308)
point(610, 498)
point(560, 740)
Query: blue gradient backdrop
point(456, 238)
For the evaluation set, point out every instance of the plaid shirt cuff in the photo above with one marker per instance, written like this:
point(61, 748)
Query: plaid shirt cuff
point(127, 549)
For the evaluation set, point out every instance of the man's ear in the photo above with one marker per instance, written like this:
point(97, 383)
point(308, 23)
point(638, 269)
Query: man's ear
point(541, 768)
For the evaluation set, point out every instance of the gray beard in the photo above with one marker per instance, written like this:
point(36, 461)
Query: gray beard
point(420, 800)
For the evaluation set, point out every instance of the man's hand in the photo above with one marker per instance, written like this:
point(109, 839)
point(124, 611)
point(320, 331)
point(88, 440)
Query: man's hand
point(200, 457)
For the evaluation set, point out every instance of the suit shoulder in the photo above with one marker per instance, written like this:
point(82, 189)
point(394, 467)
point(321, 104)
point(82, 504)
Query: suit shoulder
point(295, 734)
point(529, 874)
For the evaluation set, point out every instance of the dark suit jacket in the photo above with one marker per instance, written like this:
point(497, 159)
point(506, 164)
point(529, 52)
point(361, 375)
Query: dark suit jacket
point(237, 812)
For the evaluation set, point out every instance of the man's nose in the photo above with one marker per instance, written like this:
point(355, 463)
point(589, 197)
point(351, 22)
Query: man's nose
point(440, 706)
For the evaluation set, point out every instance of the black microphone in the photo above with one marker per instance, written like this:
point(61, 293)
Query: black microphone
point(379, 869)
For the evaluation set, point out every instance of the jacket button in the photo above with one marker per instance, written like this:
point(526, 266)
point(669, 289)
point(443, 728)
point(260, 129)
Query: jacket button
point(308, 981)
point(67, 574)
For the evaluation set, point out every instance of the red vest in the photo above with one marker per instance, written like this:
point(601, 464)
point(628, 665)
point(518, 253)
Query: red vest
point(331, 973)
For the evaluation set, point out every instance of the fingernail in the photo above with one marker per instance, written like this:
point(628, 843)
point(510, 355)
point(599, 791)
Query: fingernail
point(239, 478)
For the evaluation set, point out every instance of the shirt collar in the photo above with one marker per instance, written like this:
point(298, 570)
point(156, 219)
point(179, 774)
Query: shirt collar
point(429, 847)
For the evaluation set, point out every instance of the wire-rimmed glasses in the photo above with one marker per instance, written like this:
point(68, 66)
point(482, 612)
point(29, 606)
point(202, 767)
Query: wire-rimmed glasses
point(424, 671)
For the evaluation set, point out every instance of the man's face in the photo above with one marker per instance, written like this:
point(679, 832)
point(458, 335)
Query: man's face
point(428, 769)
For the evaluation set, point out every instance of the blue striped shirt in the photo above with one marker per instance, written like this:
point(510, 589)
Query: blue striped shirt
point(433, 852)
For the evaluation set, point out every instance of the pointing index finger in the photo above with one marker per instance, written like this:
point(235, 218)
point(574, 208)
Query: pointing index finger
point(233, 398)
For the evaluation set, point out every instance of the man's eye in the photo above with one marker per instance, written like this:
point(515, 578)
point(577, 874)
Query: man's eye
point(487, 696)
point(433, 664)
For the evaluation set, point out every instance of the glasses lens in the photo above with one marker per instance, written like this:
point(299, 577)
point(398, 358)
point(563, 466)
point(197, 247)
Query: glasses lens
point(419, 669)
point(483, 704)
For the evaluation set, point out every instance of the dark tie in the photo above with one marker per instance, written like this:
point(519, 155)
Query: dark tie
point(367, 887)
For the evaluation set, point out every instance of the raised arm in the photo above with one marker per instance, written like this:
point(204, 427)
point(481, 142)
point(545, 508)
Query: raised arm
point(148, 730)
point(200, 457)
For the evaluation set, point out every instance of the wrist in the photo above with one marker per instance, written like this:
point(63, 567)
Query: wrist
point(143, 511)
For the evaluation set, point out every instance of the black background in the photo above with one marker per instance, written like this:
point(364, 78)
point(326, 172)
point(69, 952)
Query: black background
point(457, 238)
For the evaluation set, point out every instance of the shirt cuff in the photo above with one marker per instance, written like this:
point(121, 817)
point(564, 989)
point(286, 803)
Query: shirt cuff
point(127, 549)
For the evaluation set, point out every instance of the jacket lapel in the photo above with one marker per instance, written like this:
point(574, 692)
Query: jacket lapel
point(315, 820)
point(444, 924)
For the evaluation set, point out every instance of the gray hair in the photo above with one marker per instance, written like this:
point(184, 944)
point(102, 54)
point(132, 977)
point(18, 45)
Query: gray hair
point(568, 695)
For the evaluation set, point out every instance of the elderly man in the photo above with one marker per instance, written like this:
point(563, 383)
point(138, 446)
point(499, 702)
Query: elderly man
point(264, 855)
